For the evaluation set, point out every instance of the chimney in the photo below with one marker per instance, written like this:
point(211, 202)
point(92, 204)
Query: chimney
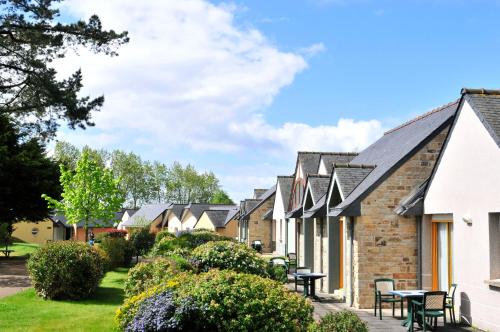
point(258, 192)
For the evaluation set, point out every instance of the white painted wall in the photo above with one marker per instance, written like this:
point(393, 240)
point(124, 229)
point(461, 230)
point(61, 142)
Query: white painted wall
point(188, 221)
point(322, 167)
point(174, 224)
point(467, 183)
point(279, 216)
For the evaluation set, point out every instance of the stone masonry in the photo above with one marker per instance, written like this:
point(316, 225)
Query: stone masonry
point(385, 244)
point(259, 229)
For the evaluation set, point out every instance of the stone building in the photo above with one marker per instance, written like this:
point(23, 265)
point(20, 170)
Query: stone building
point(365, 195)
point(252, 224)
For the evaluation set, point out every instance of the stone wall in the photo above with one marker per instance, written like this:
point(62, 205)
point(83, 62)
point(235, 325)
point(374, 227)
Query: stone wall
point(259, 229)
point(385, 244)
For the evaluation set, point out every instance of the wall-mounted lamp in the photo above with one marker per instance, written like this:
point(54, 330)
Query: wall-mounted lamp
point(467, 219)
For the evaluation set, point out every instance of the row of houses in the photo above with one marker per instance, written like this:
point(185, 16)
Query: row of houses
point(421, 205)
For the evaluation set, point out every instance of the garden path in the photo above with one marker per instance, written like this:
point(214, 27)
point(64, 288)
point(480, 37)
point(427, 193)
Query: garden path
point(13, 276)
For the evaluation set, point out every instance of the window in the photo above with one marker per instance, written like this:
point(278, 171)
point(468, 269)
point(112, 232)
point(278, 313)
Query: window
point(34, 231)
point(494, 245)
point(442, 254)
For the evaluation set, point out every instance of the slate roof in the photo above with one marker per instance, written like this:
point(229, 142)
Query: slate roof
point(295, 213)
point(232, 214)
point(285, 185)
point(268, 215)
point(218, 217)
point(59, 218)
point(176, 209)
point(486, 104)
point(319, 186)
point(318, 209)
point(148, 213)
point(256, 203)
point(197, 209)
point(350, 176)
point(309, 161)
point(337, 157)
point(413, 203)
point(247, 205)
point(391, 150)
point(130, 212)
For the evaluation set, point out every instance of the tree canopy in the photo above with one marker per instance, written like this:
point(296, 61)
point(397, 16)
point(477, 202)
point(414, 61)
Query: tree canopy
point(90, 193)
point(25, 174)
point(32, 36)
point(143, 182)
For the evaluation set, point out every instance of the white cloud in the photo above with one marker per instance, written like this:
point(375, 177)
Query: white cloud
point(191, 77)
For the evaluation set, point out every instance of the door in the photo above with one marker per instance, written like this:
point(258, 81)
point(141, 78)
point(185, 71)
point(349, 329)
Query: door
point(442, 254)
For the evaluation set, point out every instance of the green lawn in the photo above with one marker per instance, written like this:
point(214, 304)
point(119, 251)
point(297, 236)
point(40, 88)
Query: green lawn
point(23, 249)
point(27, 312)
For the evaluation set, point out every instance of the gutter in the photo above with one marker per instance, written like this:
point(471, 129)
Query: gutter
point(351, 226)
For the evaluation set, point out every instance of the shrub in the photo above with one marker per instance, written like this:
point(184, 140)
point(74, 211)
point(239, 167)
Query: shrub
point(342, 321)
point(119, 250)
point(245, 302)
point(160, 313)
point(163, 234)
point(277, 272)
point(126, 313)
point(193, 239)
point(142, 240)
point(185, 241)
point(145, 275)
point(66, 270)
point(229, 255)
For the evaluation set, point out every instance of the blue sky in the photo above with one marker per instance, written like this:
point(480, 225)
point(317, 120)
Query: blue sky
point(239, 87)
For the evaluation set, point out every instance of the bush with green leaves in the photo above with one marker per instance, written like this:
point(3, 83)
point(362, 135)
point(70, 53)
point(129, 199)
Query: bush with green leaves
point(186, 240)
point(142, 240)
point(148, 274)
point(66, 270)
point(277, 272)
point(119, 251)
point(163, 234)
point(342, 321)
point(246, 302)
point(229, 255)
point(226, 301)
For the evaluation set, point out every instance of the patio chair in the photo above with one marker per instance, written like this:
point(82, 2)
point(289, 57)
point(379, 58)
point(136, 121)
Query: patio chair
point(279, 261)
point(432, 307)
point(292, 261)
point(257, 245)
point(299, 281)
point(450, 302)
point(382, 288)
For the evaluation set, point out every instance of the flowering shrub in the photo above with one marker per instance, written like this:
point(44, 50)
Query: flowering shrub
point(185, 240)
point(160, 313)
point(126, 313)
point(342, 321)
point(142, 240)
point(163, 234)
point(66, 270)
point(146, 275)
point(245, 302)
point(229, 255)
point(278, 273)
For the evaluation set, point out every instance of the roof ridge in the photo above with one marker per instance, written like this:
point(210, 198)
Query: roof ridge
point(319, 175)
point(480, 91)
point(349, 165)
point(285, 176)
point(340, 153)
point(422, 116)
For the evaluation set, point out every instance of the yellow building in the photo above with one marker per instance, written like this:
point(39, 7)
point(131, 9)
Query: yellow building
point(39, 232)
point(221, 221)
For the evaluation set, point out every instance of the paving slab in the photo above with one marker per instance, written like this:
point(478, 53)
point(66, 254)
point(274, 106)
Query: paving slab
point(13, 276)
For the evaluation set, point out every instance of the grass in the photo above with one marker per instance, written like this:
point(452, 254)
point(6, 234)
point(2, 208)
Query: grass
point(23, 249)
point(27, 312)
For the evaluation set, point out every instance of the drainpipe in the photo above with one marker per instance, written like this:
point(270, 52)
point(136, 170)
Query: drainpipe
point(419, 251)
point(351, 226)
point(286, 236)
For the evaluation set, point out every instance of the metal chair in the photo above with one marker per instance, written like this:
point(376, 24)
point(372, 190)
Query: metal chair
point(257, 245)
point(432, 307)
point(299, 281)
point(279, 261)
point(292, 261)
point(450, 302)
point(382, 288)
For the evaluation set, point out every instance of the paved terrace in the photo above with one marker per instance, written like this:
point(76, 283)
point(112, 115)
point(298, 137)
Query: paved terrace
point(328, 304)
point(13, 276)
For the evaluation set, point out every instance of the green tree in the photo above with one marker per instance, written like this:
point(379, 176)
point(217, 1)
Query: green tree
point(66, 154)
point(221, 197)
point(32, 36)
point(25, 174)
point(90, 193)
point(131, 171)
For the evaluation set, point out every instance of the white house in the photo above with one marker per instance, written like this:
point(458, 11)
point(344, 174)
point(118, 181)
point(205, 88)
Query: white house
point(461, 225)
point(173, 219)
point(285, 234)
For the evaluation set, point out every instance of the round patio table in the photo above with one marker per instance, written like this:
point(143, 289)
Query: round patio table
point(310, 283)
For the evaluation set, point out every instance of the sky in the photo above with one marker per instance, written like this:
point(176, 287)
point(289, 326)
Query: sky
point(239, 87)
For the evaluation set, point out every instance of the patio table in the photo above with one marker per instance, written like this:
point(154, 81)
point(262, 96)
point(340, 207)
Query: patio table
point(310, 282)
point(409, 295)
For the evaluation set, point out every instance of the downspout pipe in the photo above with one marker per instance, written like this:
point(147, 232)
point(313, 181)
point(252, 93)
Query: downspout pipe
point(351, 267)
point(419, 251)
